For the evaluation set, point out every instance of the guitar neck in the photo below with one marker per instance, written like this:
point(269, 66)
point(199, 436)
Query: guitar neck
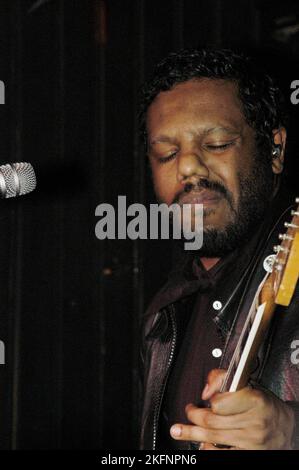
point(276, 288)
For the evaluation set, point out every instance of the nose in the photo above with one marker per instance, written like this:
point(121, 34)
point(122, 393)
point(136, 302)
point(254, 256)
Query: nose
point(191, 167)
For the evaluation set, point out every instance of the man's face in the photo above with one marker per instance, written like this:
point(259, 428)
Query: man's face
point(202, 150)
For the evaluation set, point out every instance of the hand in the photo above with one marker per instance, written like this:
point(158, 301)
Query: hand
point(246, 419)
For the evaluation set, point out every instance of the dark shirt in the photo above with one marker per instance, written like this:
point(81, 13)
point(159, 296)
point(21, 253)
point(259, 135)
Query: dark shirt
point(197, 356)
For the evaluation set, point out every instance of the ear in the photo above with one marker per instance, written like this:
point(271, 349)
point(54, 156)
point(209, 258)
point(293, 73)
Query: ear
point(279, 138)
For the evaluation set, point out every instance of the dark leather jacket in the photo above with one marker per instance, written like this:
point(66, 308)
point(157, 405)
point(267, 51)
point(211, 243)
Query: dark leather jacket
point(164, 323)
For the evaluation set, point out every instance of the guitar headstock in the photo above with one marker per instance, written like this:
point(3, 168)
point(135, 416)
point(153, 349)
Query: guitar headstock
point(286, 265)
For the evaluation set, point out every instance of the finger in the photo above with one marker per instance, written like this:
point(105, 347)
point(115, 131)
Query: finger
point(231, 403)
point(214, 382)
point(186, 432)
point(206, 418)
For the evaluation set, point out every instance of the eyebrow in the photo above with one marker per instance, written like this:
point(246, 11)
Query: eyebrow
point(166, 139)
point(161, 139)
point(230, 130)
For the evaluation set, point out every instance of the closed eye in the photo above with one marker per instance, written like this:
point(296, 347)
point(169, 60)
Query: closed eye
point(168, 158)
point(216, 148)
point(219, 147)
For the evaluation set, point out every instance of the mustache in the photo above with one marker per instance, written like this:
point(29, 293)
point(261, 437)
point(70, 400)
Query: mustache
point(205, 184)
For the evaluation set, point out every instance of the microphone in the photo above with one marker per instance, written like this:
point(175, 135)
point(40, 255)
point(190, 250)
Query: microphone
point(16, 179)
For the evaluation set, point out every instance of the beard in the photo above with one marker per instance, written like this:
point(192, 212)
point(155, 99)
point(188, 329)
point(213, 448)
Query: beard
point(255, 195)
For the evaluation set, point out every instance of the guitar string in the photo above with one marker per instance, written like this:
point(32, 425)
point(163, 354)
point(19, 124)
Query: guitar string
point(243, 337)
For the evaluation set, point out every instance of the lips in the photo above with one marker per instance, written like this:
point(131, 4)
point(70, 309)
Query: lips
point(204, 197)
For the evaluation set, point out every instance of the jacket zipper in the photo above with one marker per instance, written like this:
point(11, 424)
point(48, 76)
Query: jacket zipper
point(161, 393)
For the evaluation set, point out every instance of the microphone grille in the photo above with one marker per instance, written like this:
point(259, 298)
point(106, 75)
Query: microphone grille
point(17, 179)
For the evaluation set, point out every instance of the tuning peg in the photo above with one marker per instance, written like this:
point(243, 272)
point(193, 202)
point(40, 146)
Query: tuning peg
point(278, 248)
point(297, 200)
point(288, 225)
point(284, 236)
point(294, 213)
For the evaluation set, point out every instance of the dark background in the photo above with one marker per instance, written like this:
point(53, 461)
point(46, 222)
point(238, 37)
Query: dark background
point(70, 305)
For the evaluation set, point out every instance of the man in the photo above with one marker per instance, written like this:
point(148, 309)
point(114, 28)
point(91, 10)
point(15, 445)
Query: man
point(215, 134)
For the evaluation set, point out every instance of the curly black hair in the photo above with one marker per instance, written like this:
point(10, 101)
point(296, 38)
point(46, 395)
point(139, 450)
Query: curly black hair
point(262, 101)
